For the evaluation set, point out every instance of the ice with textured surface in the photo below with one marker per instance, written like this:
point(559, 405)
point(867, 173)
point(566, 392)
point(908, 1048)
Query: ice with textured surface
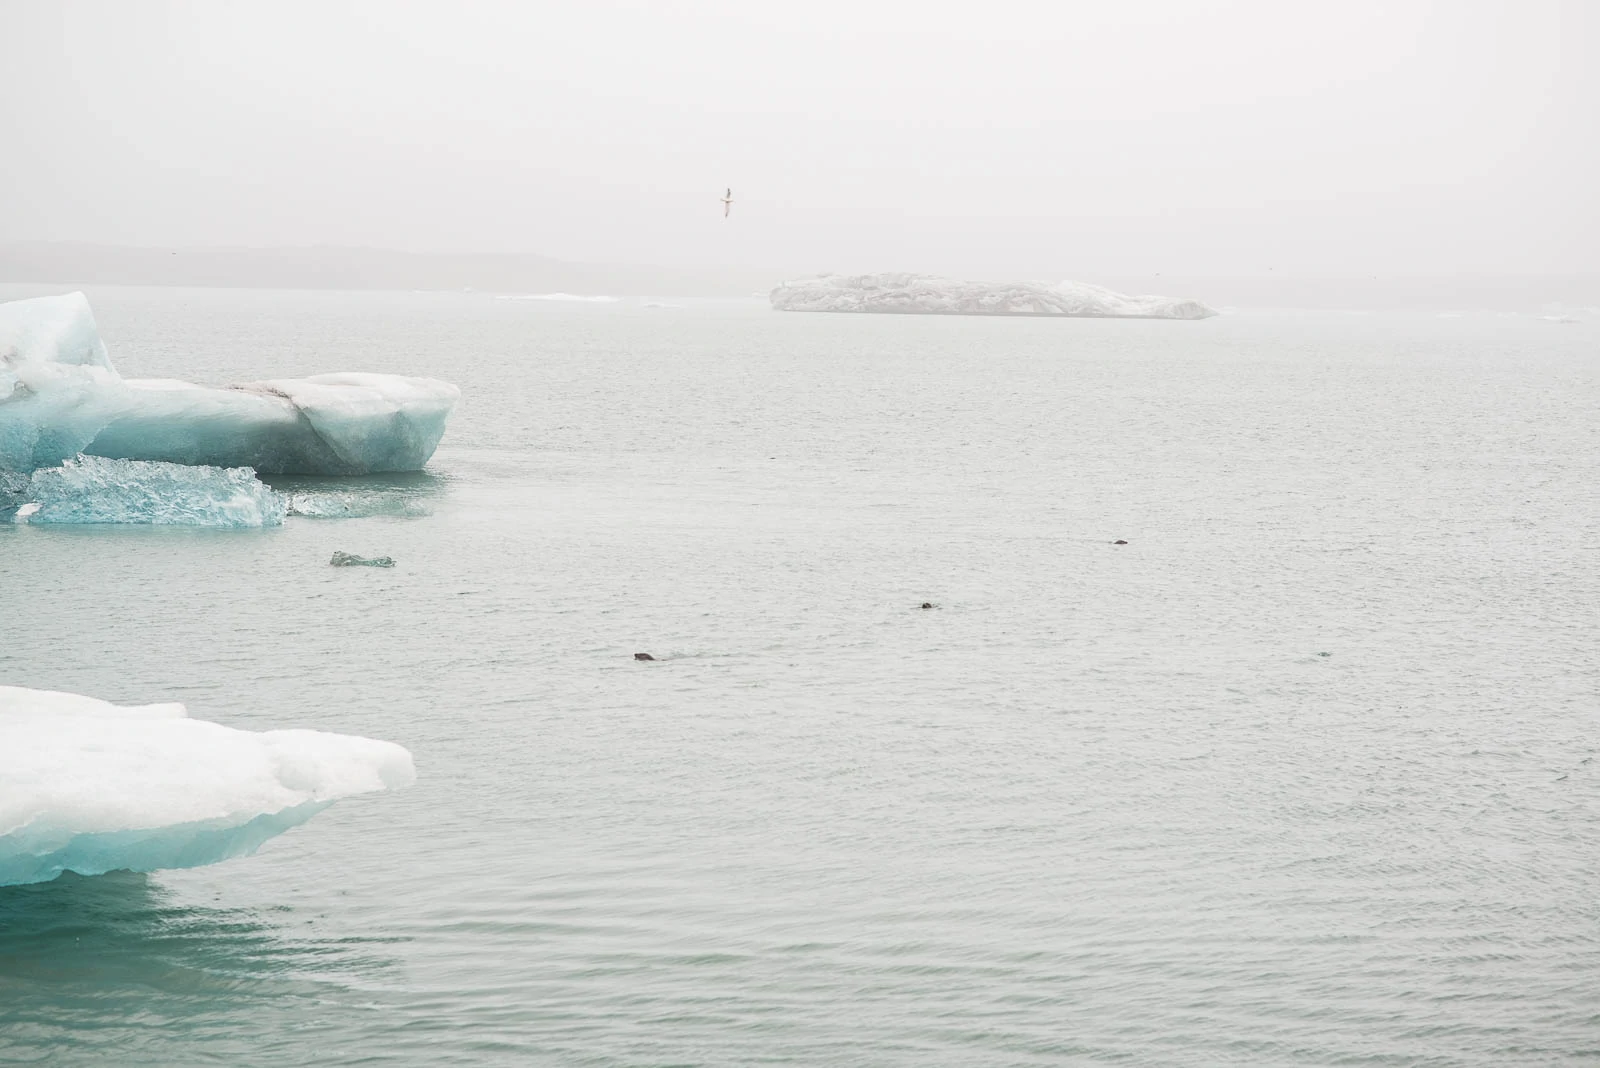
point(344, 559)
point(91, 787)
point(916, 294)
point(92, 489)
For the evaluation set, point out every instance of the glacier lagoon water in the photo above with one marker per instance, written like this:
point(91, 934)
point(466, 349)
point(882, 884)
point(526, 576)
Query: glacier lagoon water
point(1106, 804)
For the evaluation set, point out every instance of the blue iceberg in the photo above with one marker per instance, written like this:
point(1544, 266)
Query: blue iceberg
point(338, 424)
point(60, 395)
point(92, 489)
point(57, 385)
point(91, 787)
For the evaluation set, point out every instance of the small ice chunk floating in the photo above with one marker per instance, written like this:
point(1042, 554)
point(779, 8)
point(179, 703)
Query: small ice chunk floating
point(91, 787)
point(919, 294)
point(344, 559)
point(61, 396)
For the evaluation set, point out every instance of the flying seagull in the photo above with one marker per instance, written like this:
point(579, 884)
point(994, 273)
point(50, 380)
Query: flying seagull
point(727, 203)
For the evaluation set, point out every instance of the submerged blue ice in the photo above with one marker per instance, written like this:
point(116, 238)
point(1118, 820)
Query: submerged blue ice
point(90, 787)
point(92, 489)
point(60, 395)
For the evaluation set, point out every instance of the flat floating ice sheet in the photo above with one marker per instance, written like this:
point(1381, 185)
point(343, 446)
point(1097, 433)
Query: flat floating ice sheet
point(917, 294)
point(90, 787)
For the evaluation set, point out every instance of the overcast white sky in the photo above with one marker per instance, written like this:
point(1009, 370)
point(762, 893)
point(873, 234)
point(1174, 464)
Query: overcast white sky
point(986, 138)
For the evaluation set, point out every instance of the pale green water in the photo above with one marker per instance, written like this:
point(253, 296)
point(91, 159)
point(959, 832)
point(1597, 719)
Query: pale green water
point(1105, 805)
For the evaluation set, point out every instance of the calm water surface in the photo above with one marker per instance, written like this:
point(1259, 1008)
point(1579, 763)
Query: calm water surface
point(1304, 774)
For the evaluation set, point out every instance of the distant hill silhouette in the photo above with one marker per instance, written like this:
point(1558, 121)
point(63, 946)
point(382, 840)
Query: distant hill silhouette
point(360, 268)
point(335, 267)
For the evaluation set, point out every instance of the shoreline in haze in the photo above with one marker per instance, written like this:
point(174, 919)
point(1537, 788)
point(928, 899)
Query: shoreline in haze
point(340, 268)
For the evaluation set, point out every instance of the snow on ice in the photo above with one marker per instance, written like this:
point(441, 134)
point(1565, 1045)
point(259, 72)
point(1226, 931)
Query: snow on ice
point(91, 787)
point(916, 294)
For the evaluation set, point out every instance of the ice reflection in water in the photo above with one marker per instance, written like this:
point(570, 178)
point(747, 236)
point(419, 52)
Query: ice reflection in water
point(114, 966)
point(402, 495)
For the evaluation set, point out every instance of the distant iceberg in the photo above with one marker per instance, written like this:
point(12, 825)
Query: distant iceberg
point(60, 395)
point(916, 294)
point(91, 787)
point(92, 489)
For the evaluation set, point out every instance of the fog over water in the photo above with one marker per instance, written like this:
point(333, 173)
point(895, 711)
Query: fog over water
point(1018, 690)
point(1094, 141)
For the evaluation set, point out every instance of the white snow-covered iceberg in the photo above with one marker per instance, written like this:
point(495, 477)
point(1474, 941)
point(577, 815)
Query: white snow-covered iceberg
point(917, 294)
point(91, 787)
point(60, 395)
point(92, 489)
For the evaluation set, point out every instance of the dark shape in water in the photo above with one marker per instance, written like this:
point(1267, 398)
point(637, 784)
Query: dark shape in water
point(929, 604)
point(352, 560)
point(1119, 541)
point(643, 656)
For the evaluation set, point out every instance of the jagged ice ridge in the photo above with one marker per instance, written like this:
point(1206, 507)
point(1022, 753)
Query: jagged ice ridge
point(92, 489)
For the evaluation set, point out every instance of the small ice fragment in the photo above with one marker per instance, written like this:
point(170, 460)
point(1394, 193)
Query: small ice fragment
point(341, 559)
